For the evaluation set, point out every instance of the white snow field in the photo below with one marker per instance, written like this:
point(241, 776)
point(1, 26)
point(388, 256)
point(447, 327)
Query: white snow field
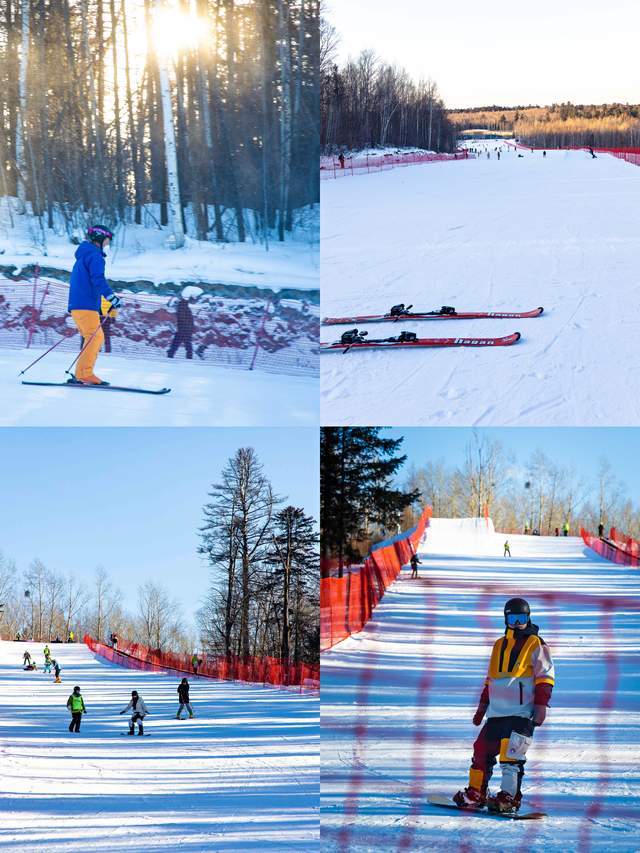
point(201, 395)
point(398, 699)
point(243, 775)
point(562, 232)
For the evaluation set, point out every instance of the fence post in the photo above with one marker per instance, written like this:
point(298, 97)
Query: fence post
point(259, 335)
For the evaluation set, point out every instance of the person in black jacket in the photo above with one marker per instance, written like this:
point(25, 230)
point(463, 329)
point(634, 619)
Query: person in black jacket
point(184, 333)
point(183, 697)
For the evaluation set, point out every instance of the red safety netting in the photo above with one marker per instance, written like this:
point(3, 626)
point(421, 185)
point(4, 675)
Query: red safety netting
point(631, 155)
point(330, 167)
point(347, 603)
point(245, 332)
point(618, 549)
point(272, 671)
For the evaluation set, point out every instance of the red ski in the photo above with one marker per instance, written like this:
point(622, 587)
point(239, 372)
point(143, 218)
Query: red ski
point(407, 339)
point(403, 312)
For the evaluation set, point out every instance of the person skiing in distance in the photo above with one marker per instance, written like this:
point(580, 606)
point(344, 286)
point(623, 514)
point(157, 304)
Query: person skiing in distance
point(565, 528)
point(515, 698)
point(557, 531)
point(195, 663)
point(75, 704)
point(88, 284)
point(183, 697)
point(414, 565)
point(138, 712)
point(71, 637)
point(184, 330)
point(601, 530)
point(56, 672)
point(26, 660)
point(47, 651)
point(507, 549)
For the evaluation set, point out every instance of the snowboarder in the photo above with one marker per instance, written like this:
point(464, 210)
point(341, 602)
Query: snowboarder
point(75, 704)
point(341, 159)
point(184, 331)
point(601, 530)
point(183, 697)
point(114, 641)
point(26, 660)
point(590, 150)
point(544, 153)
point(557, 531)
point(515, 698)
point(138, 712)
point(507, 549)
point(565, 528)
point(414, 565)
point(56, 671)
point(88, 285)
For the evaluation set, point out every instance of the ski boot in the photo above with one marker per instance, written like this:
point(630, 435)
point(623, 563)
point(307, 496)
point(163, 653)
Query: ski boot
point(130, 732)
point(470, 798)
point(140, 731)
point(503, 802)
point(191, 716)
point(91, 380)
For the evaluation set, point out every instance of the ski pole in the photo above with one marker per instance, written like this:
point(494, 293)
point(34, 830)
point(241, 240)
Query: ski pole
point(102, 322)
point(63, 338)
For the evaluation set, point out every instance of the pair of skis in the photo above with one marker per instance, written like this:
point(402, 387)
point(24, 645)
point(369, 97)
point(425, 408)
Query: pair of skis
point(105, 387)
point(355, 339)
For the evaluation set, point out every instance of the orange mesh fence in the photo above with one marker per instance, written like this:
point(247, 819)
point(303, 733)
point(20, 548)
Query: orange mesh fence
point(247, 332)
point(271, 671)
point(332, 167)
point(627, 544)
point(616, 551)
point(347, 603)
point(630, 155)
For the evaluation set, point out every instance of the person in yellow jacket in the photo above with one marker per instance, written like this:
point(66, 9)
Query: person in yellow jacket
point(88, 291)
point(75, 703)
point(515, 697)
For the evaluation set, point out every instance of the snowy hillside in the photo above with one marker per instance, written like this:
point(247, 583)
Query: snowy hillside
point(201, 395)
point(513, 234)
point(398, 698)
point(242, 775)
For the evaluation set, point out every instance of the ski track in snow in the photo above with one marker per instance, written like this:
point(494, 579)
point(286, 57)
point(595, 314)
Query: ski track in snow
point(508, 235)
point(398, 698)
point(243, 775)
point(201, 394)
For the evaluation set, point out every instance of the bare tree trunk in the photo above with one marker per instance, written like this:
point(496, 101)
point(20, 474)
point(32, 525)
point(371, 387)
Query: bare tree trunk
point(171, 158)
point(21, 159)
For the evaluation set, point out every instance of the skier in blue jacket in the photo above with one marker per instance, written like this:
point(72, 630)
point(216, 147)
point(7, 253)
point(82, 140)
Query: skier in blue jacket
point(89, 296)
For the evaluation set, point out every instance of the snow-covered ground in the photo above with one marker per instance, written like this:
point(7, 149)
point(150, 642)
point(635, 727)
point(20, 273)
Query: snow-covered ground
point(243, 775)
point(398, 699)
point(201, 394)
point(141, 252)
point(483, 234)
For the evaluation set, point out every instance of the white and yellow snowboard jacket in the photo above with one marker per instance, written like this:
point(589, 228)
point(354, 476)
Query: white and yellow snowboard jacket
point(521, 674)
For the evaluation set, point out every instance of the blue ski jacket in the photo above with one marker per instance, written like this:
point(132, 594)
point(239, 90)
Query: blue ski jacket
point(88, 282)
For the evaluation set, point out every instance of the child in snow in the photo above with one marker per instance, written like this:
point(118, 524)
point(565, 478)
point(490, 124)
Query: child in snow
point(507, 549)
point(183, 697)
point(88, 285)
point(56, 671)
point(515, 697)
point(414, 565)
point(47, 660)
point(75, 703)
point(138, 712)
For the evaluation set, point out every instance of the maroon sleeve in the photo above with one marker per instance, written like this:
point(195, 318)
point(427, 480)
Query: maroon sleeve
point(542, 694)
point(484, 696)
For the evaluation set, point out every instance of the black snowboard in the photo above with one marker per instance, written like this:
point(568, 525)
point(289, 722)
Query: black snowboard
point(443, 802)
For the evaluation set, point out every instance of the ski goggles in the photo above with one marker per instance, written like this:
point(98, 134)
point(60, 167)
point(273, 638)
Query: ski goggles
point(514, 619)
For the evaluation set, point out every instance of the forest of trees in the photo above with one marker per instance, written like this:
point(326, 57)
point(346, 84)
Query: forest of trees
point(44, 603)
point(359, 499)
point(200, 113)
point(559, 125)
point(541, 493)
point(264, 594)
point(368, 103)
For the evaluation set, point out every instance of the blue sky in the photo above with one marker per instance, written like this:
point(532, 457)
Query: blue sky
point(131, 499)
point(503, 53)
point(580, 448)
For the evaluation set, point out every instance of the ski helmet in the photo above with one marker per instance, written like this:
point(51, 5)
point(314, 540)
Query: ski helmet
point(76, 688)
point(134, 692)
point(514, 606)
point(99, 233)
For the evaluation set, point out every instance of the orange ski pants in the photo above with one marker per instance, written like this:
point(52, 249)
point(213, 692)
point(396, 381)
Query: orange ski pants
point(88, 322)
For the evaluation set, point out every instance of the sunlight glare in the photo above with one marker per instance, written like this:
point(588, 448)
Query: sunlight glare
point(174, 31)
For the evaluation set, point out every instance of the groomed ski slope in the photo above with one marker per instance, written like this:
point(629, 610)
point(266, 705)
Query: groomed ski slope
point(242, 776)
point(561, 232)
point(201, 395)
point(398, 699)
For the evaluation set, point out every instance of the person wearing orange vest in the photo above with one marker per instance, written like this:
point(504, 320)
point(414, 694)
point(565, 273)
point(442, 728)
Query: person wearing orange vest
point(515, 697)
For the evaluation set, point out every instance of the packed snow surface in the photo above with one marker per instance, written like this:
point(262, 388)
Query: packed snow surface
point(243, 775)
point(560, 231)
point(201, 394)
point(398, 699)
